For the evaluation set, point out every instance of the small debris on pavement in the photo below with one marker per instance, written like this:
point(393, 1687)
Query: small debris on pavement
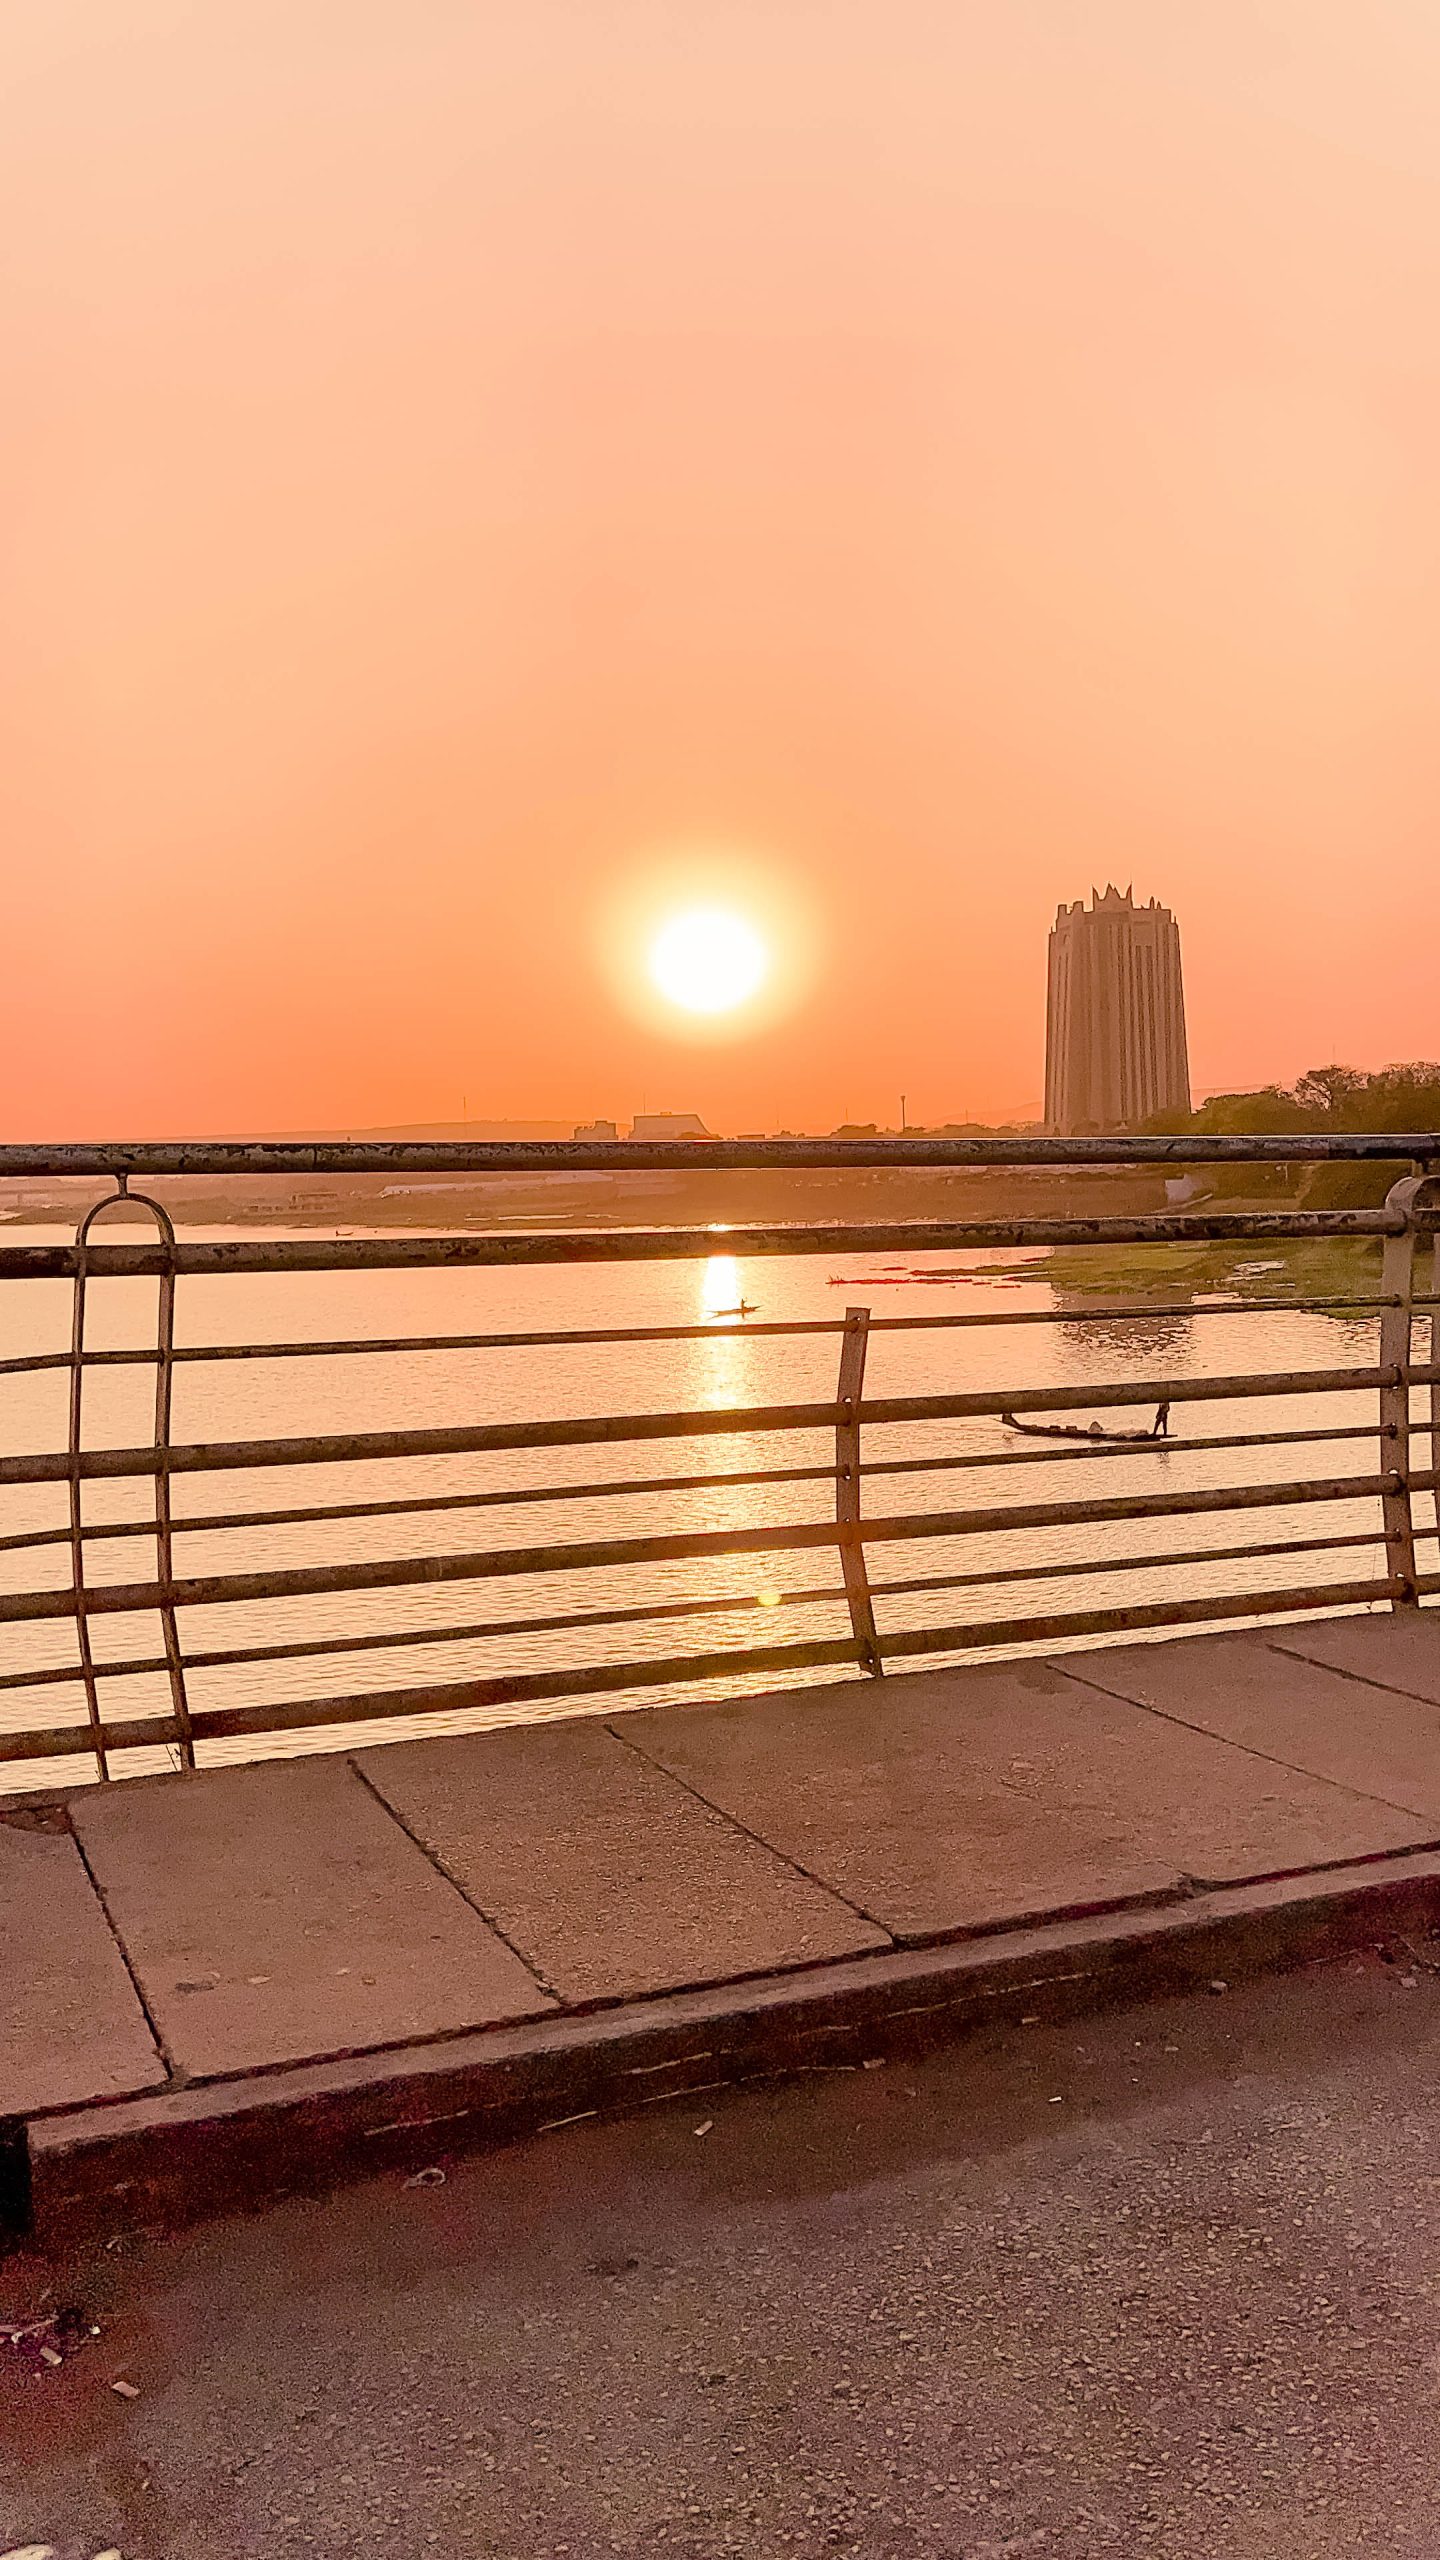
point(707, 2127)
point(30, 2551)
point(1218, 1985)
point(427, 2178)
point(125, 2390)
point(874, 2062)
point(51, 2339)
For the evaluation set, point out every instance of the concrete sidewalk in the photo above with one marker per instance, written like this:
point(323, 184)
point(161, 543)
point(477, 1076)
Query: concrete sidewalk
point(260, 1975)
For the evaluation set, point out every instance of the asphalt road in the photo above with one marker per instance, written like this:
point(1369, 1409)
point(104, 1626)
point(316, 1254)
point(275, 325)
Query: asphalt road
point(1165, 2282)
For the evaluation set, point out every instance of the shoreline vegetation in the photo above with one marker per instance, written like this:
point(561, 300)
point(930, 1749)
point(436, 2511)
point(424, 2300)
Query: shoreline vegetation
point(1173, 1274)
point(1286, 1267)
point(1333, 1100)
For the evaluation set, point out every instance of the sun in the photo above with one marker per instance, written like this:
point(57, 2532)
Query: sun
point(708, 960)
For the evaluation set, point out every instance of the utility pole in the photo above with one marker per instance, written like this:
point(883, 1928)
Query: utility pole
point(902, 1115)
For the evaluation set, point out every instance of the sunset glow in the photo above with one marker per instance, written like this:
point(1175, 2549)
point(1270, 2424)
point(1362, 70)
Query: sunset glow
point(488, 483)
point(708, 961)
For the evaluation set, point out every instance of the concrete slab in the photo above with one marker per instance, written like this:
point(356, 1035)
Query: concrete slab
point(608, 1877)
point(1246, 1689)
point(962, 1799)
point(73, 2030)
point(95, 2171)
point(892, 1798)
point(1400, 1650)
point(277, 1913)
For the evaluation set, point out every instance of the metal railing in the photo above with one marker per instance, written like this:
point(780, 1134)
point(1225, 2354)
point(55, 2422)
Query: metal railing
point(874, 1618)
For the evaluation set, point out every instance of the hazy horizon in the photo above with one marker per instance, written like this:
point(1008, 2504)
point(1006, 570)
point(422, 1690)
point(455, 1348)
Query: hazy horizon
point(468, 470)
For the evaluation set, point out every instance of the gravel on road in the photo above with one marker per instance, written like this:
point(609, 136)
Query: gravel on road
point(1163, 2281)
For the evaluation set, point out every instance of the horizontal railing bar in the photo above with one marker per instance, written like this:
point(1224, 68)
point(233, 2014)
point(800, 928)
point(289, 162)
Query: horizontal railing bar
point(595, 1678)
point(53, 1675)
point(67, 1741)
point(658, 1155)
point(470, 1695)
point(712, 1604)
point(502, 1563)
point(312, 1514)
point(307, 1515)
point(526, 1686)
point(575, 1620)
point(582, 1337)
point(1086, 1452)
point(516, 1249)
point(1145, 1613)
point(585, 1337)
point(1062, 1570)
point(217, 1457)
point(344, 1448)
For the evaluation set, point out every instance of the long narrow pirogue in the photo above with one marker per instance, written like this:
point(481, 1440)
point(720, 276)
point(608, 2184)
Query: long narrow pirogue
point(1159, 1429)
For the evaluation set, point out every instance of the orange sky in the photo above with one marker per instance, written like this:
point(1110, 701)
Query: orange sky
point(952, 451)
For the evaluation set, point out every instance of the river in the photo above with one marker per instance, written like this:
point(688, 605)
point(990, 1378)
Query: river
point(729, 1366)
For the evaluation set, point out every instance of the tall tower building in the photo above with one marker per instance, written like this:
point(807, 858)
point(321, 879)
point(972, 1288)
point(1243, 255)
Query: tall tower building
point(1115, 1023)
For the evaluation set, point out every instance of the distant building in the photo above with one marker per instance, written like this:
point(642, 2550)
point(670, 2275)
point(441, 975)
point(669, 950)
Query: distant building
point(669, 1124)
point(597, 1129)
point(1115, 1049)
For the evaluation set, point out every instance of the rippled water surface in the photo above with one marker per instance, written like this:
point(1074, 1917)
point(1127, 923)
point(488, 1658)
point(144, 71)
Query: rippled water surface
point(730, 1366)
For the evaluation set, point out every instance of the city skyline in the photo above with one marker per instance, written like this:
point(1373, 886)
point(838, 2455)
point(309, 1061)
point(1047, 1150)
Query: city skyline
point(1115, 1050)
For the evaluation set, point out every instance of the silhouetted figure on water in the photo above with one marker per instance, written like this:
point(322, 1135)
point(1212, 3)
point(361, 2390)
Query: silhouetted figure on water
point(1159, 1429)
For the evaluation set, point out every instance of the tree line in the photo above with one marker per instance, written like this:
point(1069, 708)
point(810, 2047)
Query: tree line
point(1331, 1099)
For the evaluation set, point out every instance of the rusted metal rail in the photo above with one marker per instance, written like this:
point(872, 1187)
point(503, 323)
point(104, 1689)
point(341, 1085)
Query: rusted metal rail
point(613, 1430)
point(693, 1244)
point(842, 1443)
point(586, 1336)
point(731, 1155)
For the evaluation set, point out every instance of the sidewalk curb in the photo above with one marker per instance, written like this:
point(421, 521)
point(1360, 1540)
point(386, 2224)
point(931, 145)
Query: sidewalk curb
point(211, 2146)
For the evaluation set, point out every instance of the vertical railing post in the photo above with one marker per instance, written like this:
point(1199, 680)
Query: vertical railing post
point(1432, 1178)
point(853, 1342)
point(1426, 1194)
point(1397, 1317)
point(90, 1670)
point(76, 1488)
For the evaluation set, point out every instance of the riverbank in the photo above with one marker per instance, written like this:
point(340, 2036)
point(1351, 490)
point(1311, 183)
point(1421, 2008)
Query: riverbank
point(477, 1202)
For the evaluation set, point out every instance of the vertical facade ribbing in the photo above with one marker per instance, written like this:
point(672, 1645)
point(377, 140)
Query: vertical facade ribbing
point(1115, 1048)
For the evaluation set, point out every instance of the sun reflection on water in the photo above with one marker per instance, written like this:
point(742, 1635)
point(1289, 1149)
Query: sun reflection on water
point(720, 1291)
